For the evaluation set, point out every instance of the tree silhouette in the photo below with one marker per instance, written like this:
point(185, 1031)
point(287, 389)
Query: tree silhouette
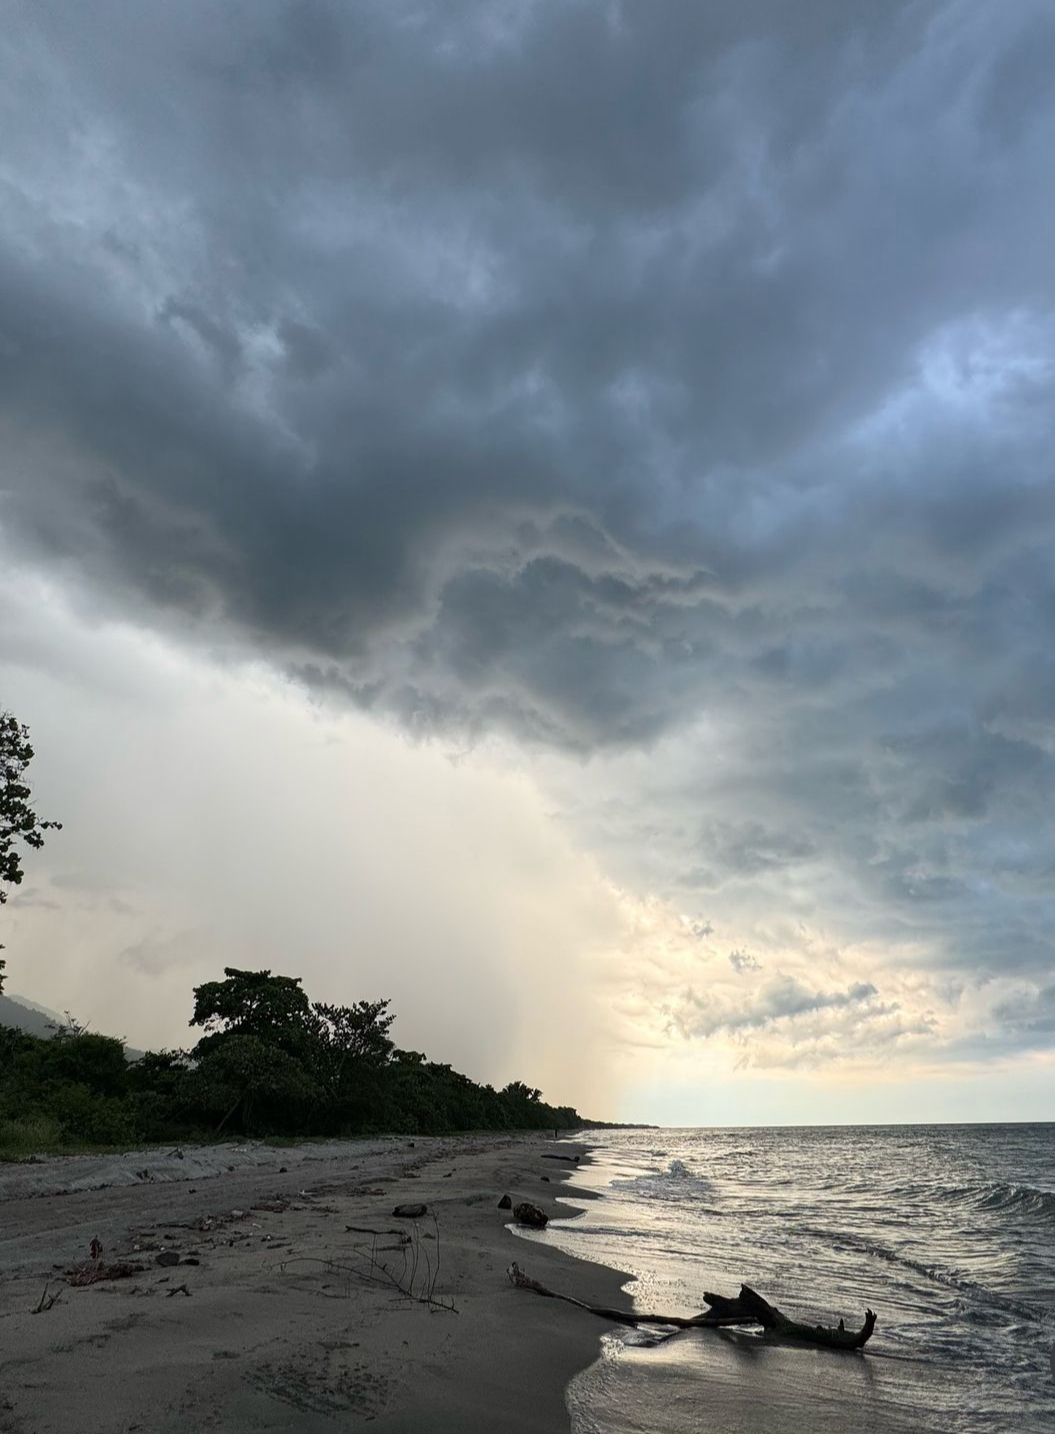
point(275, 1009)
point(19, 824)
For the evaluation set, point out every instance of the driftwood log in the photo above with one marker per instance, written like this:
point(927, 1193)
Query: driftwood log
point(748, 1308)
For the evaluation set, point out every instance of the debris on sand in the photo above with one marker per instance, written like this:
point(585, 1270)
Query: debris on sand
point(94, 1272)
point(527, 1214)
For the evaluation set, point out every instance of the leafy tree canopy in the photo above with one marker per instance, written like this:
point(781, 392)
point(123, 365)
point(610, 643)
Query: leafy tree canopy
point(271, 1062)
point(19, 824)
point(348, 1040)
point(253, 1003)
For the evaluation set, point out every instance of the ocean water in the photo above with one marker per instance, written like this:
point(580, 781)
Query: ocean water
point(948, 1232)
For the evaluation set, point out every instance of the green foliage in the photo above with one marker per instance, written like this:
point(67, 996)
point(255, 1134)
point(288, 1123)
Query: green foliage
point(253, 1003)
point(348, 1045)
point(95, 1062)
point(19, 824)
point(270, 1063)
point(247, 1084)
point(74, 1088)
point(26, 1135)
point(86, 1118)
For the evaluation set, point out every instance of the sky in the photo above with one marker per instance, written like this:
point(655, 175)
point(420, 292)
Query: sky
point(543, 510)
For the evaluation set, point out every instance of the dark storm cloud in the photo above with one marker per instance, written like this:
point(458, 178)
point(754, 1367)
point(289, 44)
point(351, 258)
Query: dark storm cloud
point(574, 370)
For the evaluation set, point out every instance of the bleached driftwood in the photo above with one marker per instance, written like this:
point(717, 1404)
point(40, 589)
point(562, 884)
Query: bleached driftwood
point(748, 1308)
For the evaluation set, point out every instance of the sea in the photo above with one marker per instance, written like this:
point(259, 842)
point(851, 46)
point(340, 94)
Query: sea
point(946, 1231)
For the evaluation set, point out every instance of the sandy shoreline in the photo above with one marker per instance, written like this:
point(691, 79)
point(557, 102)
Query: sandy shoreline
point(268, 1336)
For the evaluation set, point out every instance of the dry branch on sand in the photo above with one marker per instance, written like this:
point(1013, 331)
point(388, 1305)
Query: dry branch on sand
point(415, 1275)
point(94, 1272)
point(748, 1308)
point(47, 1301)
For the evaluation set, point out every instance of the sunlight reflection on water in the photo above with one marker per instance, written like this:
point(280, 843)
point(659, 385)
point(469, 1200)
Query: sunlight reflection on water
point(949, 1232)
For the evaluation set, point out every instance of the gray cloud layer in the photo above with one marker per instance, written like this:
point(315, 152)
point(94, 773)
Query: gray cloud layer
point(579, 371)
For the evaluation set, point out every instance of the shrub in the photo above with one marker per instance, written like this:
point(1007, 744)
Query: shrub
point(28, 1135)
point(88, 1119)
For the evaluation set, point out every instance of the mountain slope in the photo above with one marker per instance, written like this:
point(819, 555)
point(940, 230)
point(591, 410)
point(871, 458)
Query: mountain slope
point(27, 1016)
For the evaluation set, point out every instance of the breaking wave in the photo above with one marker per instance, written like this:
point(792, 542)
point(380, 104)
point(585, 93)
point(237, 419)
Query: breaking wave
point(1026, 1199)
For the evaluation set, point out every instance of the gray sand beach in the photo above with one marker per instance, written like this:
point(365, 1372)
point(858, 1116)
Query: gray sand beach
point(261, 1334)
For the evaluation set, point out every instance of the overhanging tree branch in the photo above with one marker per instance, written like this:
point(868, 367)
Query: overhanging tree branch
point(19, 824)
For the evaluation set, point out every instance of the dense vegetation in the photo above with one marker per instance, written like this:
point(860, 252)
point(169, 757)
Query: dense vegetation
point(270, 1062)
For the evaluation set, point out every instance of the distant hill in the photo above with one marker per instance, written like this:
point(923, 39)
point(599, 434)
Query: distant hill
point(27, 1016)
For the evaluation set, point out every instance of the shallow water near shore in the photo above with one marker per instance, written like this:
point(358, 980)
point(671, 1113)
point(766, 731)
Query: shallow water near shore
point(948, 1232)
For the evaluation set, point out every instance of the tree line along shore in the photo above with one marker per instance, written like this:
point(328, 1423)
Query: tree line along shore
point(269, 1062)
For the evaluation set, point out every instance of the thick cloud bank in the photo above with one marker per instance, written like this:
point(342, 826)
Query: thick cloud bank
point(668, 385)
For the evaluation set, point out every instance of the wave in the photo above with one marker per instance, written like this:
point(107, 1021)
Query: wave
point(678, 1184)
point(995, 1195)
point(1024, 1198)
point(957, 1284)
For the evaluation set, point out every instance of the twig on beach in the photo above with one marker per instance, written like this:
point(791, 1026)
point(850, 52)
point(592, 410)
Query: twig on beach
point(384, 1277)
point(415, 1251)
point(435, 1277)
point(415, 1279)
point(748, 1308)
point(46, 1301)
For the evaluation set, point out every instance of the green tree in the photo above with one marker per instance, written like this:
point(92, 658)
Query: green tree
point(254, 1061)
point(520, 1095)
point(346, 1041)
point(254, 1086)
point(275, 1009)
point(19, 824)
point(270, 1062)
point(96, 1062)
